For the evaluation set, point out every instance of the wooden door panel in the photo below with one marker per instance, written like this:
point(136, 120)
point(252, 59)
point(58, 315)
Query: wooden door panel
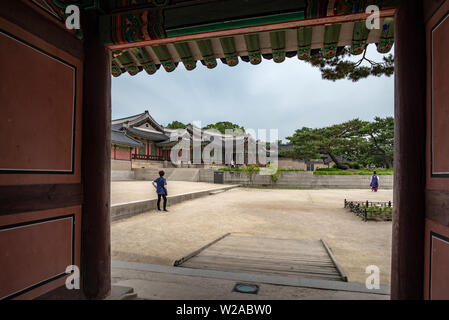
point(40, 161)
point(436, 263)
point(36, 248)
point(41, 95)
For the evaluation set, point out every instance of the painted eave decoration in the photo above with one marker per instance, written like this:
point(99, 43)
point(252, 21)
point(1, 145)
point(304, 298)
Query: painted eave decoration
point(145, 35)
point(168, 33)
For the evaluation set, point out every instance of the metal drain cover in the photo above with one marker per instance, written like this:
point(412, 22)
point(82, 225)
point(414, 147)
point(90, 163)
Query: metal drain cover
point(246, 288)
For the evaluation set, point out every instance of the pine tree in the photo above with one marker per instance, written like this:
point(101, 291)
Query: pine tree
point(339, 67)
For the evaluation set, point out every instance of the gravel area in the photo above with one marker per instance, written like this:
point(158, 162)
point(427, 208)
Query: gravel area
point(161, 238)
point(126, 191)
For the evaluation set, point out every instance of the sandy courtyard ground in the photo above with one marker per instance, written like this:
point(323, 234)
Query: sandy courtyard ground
point(126, 191)
point(161, 238)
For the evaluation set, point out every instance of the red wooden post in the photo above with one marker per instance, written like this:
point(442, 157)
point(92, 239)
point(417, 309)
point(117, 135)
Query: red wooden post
point(407, 268)
point(96, 163)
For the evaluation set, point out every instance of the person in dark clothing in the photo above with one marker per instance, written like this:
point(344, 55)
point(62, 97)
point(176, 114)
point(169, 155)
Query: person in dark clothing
point(374, 182)
point(160, 185)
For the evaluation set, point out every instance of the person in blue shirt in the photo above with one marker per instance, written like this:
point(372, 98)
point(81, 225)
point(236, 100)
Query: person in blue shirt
point(160, 185)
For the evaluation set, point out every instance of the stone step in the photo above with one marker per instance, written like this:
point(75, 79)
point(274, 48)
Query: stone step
point(122, 293)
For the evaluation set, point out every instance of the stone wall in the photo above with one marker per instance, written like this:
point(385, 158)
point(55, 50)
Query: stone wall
point(299, 179)
point(206, 175)
point(288, 179)
point(138, 164)
point(174, 174)
point(309, 180)
point(120, 165)
point(288, 163)
point(120, 175)
point(151, 173)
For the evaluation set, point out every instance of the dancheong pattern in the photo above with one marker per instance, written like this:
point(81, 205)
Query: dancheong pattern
point(143, 22)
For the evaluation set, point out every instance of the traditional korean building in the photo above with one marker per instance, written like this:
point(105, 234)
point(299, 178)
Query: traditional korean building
point(122, 145)
point(140, 136)
point(244, 146)
point(142, 141)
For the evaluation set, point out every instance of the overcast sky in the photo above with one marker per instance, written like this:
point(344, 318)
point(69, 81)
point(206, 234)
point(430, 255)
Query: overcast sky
point(284, 96)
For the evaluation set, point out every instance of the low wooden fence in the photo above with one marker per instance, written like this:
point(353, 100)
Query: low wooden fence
point(371, 210)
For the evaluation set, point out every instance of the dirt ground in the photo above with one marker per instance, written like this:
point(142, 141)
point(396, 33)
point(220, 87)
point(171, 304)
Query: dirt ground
point(161, 238)
point(126, 191)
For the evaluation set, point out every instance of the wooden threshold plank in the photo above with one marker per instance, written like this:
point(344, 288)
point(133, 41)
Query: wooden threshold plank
point(263, 258)
point(266, 266)
point(280, 261)
point(316, 259)
point(245, 264)
point(272, 272)
point(288, 257)
point(194, 253)
point(290, 251)
point(337, 265)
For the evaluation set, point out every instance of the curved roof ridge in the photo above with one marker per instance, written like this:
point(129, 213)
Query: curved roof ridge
point(121, 138)
point(130, 118)
point(145, 116)
point(146, 134)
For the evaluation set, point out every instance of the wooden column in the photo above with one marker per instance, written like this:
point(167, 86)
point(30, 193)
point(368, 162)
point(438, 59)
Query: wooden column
point(96, 255)
point(410, 133)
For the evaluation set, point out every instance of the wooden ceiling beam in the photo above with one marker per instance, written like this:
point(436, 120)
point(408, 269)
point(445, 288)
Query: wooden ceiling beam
point(256, 29)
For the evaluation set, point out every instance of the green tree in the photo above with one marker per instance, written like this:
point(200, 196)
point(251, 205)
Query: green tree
point(176, 125)
point(335, 141)
point(339, 67)
point(379, 146)
point(368, 143)
point(288, 154)
point(223, 126)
